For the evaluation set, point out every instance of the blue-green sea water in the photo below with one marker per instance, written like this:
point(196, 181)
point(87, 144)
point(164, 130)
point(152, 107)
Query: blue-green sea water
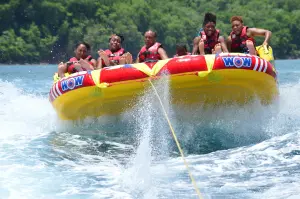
point(233, 152)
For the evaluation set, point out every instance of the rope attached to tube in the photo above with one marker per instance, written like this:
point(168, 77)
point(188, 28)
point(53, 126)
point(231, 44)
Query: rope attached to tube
point(176, 140)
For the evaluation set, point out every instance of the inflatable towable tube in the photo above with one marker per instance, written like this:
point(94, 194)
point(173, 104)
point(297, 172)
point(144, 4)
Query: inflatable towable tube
point(194, 80)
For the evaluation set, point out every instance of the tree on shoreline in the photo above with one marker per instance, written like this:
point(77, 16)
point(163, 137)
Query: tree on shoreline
point(46, 30)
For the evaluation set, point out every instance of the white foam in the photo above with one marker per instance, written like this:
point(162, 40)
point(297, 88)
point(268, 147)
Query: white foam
point(24, 116)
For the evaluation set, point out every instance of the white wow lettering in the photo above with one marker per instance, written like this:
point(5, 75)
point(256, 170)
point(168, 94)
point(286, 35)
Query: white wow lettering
point(70, 84)
point(237, 62)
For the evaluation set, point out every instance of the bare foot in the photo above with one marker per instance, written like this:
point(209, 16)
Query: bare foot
point(128, 58)
point(217, 49)
point(122, 60)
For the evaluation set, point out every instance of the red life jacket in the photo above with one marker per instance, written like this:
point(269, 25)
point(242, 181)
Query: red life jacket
point(114, 57)
point(71, 68)
point(210, 42)
point(150, 54)
point(238, 42)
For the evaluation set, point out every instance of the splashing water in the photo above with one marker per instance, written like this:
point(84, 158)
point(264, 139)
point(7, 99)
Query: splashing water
point(153, 143)
point(233, 152)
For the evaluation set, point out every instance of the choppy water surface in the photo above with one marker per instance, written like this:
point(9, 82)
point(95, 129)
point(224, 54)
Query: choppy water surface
point(233, 152)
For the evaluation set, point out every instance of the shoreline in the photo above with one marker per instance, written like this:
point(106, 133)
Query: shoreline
point(34, 64)
point(45, 63)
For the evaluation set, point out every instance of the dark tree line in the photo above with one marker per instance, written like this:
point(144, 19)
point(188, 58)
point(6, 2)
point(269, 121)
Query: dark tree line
point(34, 31)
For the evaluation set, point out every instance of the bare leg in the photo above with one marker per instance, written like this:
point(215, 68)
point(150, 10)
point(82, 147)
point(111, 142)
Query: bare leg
point(105, 58)
point(196, 45)
point(251, 47)
point(201, 47)
point(99, 63)
point(224, 48)
point(62, 69)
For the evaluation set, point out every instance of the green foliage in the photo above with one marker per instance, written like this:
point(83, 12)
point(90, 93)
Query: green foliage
point(47, 30)
point(13, 49)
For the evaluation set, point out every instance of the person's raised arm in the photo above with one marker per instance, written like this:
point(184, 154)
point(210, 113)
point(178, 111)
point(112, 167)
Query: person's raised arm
point(252, 32)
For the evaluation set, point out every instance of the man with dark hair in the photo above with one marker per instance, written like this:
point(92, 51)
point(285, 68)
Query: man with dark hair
point(208, 40)
point(241, 39)
point(152, 50)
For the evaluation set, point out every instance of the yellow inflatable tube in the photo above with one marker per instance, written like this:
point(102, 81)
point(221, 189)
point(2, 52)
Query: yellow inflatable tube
point(194, 80)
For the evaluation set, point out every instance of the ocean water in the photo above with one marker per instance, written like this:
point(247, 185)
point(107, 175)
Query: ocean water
point(233, 152)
